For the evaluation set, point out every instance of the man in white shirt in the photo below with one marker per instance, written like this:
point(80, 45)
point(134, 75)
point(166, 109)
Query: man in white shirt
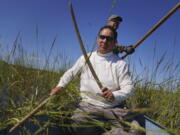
point(100, 104)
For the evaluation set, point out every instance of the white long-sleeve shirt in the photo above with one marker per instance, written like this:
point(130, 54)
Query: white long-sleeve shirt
point(112, 72)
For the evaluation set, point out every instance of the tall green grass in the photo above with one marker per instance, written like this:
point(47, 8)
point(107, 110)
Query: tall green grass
point(157, 87)
point(24, 84)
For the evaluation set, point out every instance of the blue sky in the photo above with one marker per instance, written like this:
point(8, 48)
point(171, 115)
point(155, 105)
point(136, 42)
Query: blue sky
point(52, 17)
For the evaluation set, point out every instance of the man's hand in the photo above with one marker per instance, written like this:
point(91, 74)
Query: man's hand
point(129, 49)
point(107, 93)
point(55, 90)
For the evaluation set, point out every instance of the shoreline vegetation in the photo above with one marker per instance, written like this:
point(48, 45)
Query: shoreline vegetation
point(23, 86)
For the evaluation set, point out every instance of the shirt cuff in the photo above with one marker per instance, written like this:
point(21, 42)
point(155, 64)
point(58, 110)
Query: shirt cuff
point(61, 84)
point(117, 96)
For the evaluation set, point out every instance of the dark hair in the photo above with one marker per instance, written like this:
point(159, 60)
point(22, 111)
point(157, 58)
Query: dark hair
point(110, 28)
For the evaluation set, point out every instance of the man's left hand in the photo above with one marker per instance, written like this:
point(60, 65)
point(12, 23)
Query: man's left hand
point(129, 49)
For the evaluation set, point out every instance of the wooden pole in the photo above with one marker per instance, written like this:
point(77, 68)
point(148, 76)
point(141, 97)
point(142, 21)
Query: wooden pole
point(83, 49)
point(161, 21)
point(30, 114)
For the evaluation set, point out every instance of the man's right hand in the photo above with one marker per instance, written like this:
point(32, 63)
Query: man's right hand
point(55, 90)
point(107, 93)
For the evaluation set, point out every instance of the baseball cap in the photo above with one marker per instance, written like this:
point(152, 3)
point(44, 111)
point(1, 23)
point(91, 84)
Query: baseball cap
point(115, 18)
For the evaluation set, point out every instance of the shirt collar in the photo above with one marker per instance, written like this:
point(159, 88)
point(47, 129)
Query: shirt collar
point(105, 55)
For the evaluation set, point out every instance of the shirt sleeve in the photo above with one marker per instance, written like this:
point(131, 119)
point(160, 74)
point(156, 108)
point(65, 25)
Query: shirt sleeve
point(70, 74)
point(125, 83)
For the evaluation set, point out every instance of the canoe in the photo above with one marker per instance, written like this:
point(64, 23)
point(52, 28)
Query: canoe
point(151, 127)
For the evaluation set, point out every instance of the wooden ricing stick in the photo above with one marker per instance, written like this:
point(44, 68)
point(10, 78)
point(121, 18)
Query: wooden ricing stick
point(161, 21)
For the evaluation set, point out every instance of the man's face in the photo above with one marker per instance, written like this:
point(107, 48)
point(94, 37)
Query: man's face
point(105, 41)
point(113, 24)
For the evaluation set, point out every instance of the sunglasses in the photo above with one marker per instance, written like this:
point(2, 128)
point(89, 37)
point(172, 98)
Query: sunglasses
point(108, 38)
